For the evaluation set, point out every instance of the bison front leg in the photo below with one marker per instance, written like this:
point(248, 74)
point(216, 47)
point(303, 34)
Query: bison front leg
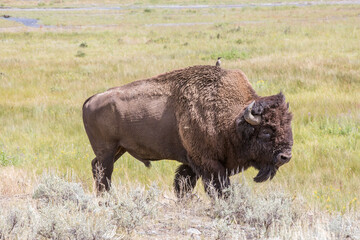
point(215, 184)
point(185, 180)
point(215, 179)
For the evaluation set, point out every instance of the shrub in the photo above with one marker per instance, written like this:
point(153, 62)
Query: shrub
point(65, 211)
point(83, 45)
point(132, 207)
point(58, 191)
point(258, 212)
point(80, 54)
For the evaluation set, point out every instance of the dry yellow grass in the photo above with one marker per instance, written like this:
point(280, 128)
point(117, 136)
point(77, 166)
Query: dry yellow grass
point(15, 181)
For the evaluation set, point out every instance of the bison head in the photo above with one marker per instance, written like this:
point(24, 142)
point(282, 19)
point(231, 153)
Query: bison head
point(264, 130)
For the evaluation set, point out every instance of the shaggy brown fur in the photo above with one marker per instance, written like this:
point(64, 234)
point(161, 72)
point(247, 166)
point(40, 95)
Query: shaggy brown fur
point(208, 99)
point(195, 116)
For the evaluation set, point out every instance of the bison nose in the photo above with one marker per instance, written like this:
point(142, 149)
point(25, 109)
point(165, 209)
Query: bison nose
point(282, 158)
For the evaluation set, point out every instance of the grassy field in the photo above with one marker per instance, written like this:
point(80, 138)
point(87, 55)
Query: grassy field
point(312, 54)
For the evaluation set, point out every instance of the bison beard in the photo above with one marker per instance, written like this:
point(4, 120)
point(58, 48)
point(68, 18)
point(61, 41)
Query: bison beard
point(208, 118)
point(265, 173)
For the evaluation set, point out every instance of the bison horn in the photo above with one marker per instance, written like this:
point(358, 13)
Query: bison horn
point(253, 120)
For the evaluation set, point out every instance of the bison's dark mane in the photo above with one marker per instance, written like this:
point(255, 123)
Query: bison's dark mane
point(208, 99)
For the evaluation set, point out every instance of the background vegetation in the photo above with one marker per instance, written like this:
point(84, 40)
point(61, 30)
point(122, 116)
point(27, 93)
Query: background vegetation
point(310, 53)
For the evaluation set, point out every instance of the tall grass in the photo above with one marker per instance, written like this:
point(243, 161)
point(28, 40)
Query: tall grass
point(311, 54)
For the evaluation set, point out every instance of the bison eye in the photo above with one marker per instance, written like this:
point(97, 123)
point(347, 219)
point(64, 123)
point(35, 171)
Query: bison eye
point(266, 133)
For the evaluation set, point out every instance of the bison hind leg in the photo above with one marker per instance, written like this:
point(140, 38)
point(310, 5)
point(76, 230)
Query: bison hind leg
point(185, 180)
point(98, 171)
point(103, 165)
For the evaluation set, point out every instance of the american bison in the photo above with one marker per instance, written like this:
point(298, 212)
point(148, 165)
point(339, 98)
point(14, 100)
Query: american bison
point(208, 118)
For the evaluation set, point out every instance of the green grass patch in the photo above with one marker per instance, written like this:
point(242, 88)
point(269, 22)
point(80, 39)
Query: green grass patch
point(8, 160)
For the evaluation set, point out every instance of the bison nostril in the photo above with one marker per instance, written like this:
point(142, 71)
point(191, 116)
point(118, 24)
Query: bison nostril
point(283, 158)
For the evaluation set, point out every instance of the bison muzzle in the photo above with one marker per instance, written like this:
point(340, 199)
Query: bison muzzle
point(208, 118)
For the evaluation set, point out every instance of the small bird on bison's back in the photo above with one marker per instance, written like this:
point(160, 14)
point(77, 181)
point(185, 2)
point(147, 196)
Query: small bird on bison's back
point(218, 62)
